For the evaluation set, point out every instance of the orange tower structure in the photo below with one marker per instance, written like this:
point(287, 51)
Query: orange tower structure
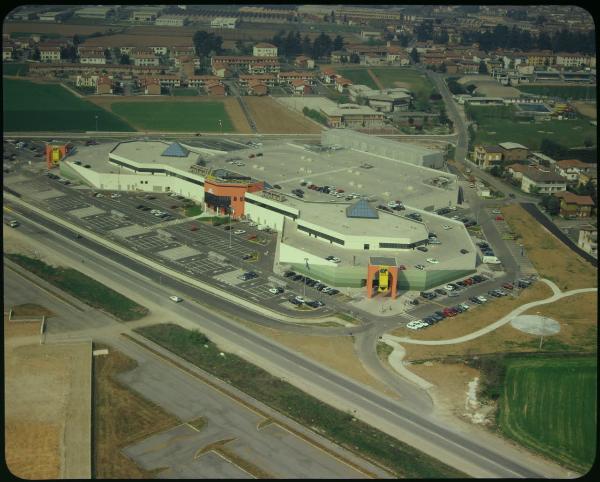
point(54, 153)
point(386, 271)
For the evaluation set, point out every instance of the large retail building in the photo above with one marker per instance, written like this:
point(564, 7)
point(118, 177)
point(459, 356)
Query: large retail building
point(262, 183)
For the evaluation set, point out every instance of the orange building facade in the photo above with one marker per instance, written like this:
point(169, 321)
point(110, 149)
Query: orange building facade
point(54, 153)
point(225, 197)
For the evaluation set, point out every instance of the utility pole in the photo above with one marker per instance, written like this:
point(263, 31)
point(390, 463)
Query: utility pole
point(231, 211)
point(307, 267)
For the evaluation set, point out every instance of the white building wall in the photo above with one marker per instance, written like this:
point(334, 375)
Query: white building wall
point(291, 254)
point(264, 216)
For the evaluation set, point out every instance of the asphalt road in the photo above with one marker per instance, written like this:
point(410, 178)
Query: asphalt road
point(400, 420)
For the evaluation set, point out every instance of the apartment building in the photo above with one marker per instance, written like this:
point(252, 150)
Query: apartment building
point(49, 54)
point(264, 49)
point(486, 156)
point(573, 205)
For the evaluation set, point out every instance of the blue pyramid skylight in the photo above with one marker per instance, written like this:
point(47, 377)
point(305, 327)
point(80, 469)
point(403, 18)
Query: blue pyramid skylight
point(361, 209)
point(176, 150)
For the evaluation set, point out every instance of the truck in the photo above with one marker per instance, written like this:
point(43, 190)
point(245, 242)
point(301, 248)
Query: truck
point(491, 260)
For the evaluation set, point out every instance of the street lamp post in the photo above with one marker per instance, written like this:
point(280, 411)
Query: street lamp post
point(304, 291)
point(231, 211)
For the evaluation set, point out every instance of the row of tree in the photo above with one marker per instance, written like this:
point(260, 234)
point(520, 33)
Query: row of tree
point(294, 44)
point(501, 36)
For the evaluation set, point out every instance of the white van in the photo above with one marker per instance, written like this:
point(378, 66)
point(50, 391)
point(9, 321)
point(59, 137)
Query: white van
point(491, 260)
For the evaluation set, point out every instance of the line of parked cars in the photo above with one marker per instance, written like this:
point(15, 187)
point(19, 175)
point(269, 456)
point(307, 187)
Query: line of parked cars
point(452, 311)
point(316, 284)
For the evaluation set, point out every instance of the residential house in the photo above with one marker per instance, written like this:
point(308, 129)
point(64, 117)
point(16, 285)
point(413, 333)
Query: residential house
point(590, 176)
point(244, 62)
point(224, 22)
point(433, 58)
point(328, 76)
point(304, 62)
point(487, 156)
point(588, 239)
point(215, 88)
point(541, 181)
point(341, 83)
point(257, 87)
point(200, 80)
point(145, 15)
point(151, 85)
point(92, 55)
point(86, 80)
point(220, 70)
point(169, 80)
point(145, 59)
point(104, 85)
point(573, 205)
point(49, 54)
point(352, 116)
point(513, 152)
point(171, 21)
point(572, 59)
point(7, 53)
point(267, 79)
point(570, 169)
point(540, 58)
point(300, 87)
point(289, 77)
point(412, 118)
point(541, 158)
point(337, 55)
point(264, 49)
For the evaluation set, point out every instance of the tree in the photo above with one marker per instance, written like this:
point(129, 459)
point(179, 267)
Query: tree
point(552, 205)
point(414, 55)
point(124, 60)
point(306, 45)
point(497, 171)
point(36, 54)
point(207, 44)
point(354, 58)
point(553, 149)
point(482, 67)
point(338, 43)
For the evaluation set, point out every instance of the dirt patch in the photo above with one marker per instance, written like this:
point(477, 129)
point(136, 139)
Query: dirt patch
point(335, 352)
point(403, 85)
point(32, 449)
point(375, 79)
point(31, 309)
point(121, 417)
point(37, 389)
point(478, 316)
point(20, 329)
point(588, 109)
point(568, 270)
point(272, 118)
point(494, 89)
point(62, 29)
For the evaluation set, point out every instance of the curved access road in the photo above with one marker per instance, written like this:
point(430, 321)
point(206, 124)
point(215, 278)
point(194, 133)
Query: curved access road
point(505, 319)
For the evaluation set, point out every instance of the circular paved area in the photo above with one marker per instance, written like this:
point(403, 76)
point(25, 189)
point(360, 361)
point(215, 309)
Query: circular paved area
point(536, 325)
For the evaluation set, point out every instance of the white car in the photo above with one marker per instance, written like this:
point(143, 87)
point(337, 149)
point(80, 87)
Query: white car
point(483, 299)
point(413, 325)
point(252, 225)
point(239, 231)
point(275, 291)
point(393, 204)
point(464, 306)
point(299, 299)
point(496, 211)
point(455, 217)
point(176, 299)
point(449, 287)
point(446, 226)
point(432, 260)
point(115, 195)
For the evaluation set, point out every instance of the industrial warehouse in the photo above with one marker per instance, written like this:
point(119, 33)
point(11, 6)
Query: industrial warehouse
point(345, 209)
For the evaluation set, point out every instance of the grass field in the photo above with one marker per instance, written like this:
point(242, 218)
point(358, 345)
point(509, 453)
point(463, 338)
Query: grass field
point(84, 288)
point(184, 92)
point(334, 424)
point(30, 106)
point(175, 116)
point(121, 417)
point(358, 76)
point(413, 80)
point(494, 128)
point(549, 405)
point(576, 92)
point(14, 69)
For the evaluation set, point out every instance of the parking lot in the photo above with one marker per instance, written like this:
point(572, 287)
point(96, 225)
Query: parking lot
point(193, 247)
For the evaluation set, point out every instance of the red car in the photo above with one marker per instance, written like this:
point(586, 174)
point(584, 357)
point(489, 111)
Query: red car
point(508, 286)
point(469, 281)
point(499, 218)
point(340, 190)
point(193, 227)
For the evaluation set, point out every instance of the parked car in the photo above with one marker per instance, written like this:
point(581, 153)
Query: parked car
point(176, 299)
point(289, 274)
point(420, 267)
point(239, 231)
point(276, 291)
point(422, 248)
point(432, 260)
point(464, 251)
point(508, 286)
point(440, 292)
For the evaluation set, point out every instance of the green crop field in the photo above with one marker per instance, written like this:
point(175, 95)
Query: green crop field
point(175, 116)
point(50, 107)
point(358, 76)
point(14, 69)
point(184, 92)
point(549, 404)
point(497, 124)
point(575, 92)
